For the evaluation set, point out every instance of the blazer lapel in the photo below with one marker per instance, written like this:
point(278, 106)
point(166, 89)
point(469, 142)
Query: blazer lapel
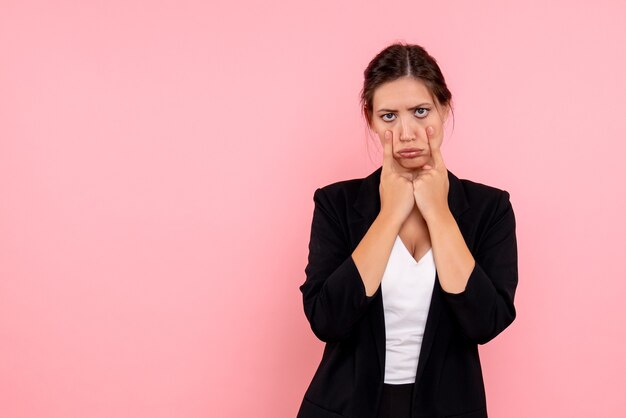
point(367, 207)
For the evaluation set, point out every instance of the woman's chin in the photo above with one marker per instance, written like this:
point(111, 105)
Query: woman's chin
point(413, 163)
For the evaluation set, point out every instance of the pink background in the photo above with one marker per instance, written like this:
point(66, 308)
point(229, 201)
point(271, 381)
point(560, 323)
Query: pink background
point(157, 168)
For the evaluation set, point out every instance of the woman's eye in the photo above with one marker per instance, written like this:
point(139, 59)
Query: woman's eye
point(422, 115)
point(421, 112)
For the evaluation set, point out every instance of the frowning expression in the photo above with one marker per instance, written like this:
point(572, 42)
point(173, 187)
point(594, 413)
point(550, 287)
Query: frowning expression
point(405, 107)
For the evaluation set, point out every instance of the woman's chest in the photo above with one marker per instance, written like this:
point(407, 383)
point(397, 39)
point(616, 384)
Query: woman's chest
point(416, 238)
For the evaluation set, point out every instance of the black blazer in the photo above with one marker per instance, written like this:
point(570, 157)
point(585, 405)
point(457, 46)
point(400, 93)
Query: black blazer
point(449, 383)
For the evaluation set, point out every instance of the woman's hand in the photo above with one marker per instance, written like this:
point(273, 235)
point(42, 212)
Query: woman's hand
point(431, 184)
point(396, 187)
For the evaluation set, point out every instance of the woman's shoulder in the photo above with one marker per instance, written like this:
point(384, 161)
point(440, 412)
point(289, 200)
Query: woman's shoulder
point(350, 188)
point(478, 189)
point(347, 186)
point(485, 199)
point(341, 197)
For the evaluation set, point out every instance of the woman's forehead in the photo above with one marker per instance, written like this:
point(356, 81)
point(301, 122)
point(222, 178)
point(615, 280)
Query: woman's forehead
point(402, 93)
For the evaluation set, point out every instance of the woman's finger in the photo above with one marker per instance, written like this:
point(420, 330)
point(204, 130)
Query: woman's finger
point(388, 152)
point(435, 149)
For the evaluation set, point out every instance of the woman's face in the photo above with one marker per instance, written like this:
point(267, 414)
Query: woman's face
point(406, 108)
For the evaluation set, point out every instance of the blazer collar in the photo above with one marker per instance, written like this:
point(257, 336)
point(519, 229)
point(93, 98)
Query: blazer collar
point(367, 202)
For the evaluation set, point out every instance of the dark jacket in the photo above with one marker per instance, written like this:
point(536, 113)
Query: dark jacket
point(449, 381)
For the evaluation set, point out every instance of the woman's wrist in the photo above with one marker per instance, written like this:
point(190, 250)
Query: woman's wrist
point(390, 220)
point(442, 215)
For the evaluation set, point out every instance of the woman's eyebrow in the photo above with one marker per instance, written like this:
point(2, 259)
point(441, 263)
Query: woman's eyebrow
point(409, 108)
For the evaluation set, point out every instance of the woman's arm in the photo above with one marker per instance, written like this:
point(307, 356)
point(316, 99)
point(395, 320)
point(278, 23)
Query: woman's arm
point(335, 295)
point(453, 259)
point(340, 285)
point(372, 253)
point(479, 289)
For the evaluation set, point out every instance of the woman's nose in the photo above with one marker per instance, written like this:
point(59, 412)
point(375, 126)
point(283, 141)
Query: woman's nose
point(407, 133)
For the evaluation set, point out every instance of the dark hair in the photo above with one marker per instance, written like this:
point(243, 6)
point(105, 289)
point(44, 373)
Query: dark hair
point(401, 60)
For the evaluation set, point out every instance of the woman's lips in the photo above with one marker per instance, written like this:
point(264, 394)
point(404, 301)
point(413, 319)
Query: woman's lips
point(411, 153)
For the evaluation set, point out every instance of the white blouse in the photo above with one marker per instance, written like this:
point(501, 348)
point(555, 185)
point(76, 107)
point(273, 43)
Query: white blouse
point(407, 287)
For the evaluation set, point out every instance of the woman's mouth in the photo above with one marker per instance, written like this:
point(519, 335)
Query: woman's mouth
point(410, 153)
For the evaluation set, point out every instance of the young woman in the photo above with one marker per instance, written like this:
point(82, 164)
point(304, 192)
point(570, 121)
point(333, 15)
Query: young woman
point(409, 268)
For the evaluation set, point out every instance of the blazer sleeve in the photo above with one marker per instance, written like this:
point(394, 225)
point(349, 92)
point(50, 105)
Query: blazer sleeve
point(333, 293)
point(485, 308)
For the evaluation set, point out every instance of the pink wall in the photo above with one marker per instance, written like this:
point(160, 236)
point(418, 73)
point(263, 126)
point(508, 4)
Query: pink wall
point(157, 167)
